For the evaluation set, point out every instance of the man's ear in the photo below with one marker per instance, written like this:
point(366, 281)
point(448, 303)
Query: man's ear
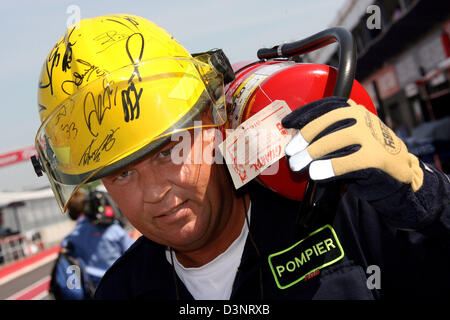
point(207, 116)
point(209, 135)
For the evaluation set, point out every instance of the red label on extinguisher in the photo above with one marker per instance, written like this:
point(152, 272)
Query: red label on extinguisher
point(257, 143)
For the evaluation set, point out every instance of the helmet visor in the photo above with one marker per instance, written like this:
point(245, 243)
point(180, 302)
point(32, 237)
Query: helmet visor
point(122, 116)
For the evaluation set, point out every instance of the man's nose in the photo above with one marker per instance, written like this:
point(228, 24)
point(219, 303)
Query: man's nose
point(154, 183)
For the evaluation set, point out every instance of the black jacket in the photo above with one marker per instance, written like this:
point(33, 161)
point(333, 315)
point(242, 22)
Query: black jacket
point(349, 248)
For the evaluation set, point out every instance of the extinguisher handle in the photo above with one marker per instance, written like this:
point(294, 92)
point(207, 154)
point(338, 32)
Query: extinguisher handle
point(347, 54)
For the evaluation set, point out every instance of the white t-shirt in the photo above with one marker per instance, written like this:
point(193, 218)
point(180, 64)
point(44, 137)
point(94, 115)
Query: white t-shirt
point(214, 280)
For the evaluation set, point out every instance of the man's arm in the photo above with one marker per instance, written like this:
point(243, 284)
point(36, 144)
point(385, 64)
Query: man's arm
point(340, 140)
point(426, 210)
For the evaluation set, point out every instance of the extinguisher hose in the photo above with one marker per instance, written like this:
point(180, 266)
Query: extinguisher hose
point(343, 87)
point(347, 54)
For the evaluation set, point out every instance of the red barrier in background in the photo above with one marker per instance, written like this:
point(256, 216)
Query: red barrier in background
point(16, 156)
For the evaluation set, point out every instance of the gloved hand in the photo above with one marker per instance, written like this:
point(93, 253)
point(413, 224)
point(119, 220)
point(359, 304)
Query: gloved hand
point(340, 139)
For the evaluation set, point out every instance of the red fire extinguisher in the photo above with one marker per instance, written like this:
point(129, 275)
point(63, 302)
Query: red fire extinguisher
point(279, 75)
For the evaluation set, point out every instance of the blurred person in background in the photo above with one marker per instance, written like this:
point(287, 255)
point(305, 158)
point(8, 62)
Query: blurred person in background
point(97, 241)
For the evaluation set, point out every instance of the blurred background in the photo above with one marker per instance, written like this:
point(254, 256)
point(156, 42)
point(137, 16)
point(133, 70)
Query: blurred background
point(403, 62)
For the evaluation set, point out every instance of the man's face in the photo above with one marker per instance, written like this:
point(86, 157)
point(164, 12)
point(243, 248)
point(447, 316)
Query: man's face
point(177, 205)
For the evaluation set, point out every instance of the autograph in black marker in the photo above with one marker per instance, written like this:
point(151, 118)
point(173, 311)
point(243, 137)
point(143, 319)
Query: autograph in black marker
point(134, 61)
point(96, 107)
point(54, 59)
point(132, 110)
point(85, 76)
point(94, 155)
point(110, 38)
point(67, 58)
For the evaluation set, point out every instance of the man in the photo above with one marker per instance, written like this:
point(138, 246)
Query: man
point(126, 90)
point(97, 241)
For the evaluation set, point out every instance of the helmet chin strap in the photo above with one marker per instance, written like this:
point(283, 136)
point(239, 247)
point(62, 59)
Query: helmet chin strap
point(306, 207)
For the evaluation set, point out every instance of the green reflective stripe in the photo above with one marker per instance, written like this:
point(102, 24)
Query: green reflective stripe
point(322, 246)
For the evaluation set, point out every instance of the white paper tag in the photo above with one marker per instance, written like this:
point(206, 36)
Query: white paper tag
point(256, 143)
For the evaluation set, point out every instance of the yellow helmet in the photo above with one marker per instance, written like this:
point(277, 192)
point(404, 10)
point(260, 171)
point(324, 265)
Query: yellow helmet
point(110, 90)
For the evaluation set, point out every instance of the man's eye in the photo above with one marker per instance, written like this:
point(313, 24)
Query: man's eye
point(165, 153)
point(124, 175)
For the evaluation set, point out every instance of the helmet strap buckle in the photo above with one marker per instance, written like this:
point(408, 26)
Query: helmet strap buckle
point(37, 166)
point(220, 63)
